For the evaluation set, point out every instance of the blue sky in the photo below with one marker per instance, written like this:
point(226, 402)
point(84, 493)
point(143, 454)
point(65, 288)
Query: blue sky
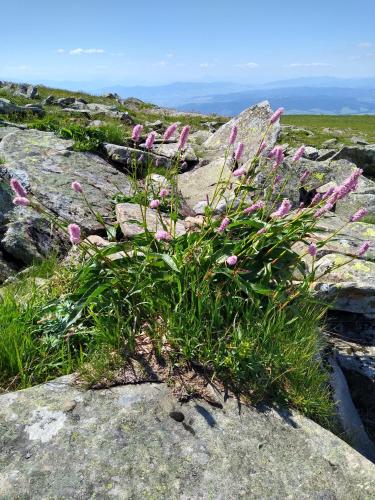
point(151, 42)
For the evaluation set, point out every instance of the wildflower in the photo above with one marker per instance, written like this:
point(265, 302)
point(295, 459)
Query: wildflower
point(21, 201)
point(304, 176)
point(136, 134)
point(272, 153)
point(262, 147)
point(363, 248)
point(262, 230)
point(239, 172)
point(163, 236)
point(224, 224)
point(312, 249)
point(76, 186)
point(279, 156)
point(358, 215)
point(154, 203)
point(18, 189)
point(349, 185)
point(233, 135)
point(254, 207)
point(316, 199)
point(183, 137)
point(232, 260)
point(328, 193)
point(141, 158)
point(150, 140)
point(277, 179)
point(74, 234)
point(239, 151)
point(170, 131)
point(163, 193)
point(327, 207)
point(276, 115)
point(283, 209)
point(184, 166)
point(299, 153)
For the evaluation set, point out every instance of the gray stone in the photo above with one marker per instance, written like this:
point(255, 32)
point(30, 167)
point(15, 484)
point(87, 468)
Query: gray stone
point(66, 101)
point(49, 100)
point(46, 166)
point(131, 156)
point(171, 151)
point(362, 156)
point(29, 91)
point(311, 153)
point(130, 218)
point(7, 269)
point(6, 107)
point(252, 123)
point(60, 441)
point(7, 130)
point(37, 110)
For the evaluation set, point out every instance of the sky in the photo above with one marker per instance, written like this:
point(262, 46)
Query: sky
point(157, 42)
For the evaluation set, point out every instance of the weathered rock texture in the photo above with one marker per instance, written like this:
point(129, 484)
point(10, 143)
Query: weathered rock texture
point(46, 165)
point(58, 441)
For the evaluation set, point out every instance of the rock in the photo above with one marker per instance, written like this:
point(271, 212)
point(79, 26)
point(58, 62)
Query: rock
point(37, 110)
point(157, 125)
point(359, 140)
point(6, 131)
point(158, 182)
point(330, 143)
point(351, 287)
point(362, 156)
point(326, 154)
point(127, 213)
point(110, 95)
point(311, 153)
point(29, 91)
point(46, 166)
point(171, 151)
point(6, 107)
point(251, 124)
point(128, 156)
point(7, 270)
point(66, 101)
point(49, 100)
point(96, 123)
point(123, 443)
point(200, 137)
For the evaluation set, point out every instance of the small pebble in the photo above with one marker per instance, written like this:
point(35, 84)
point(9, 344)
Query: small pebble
point(177, 415)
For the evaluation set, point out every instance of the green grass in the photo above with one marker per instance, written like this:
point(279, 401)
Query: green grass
point(341, 127)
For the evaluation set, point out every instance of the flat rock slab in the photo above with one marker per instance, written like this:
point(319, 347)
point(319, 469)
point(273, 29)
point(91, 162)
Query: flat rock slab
point(133, 158)
point(59, 441)
point(351, 287)
point(130, 218)
point(46, 165)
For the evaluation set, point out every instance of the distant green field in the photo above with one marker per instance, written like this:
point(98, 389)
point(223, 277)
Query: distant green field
point(324, 127)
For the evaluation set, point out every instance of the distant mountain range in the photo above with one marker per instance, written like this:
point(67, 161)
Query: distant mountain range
point(317, 95)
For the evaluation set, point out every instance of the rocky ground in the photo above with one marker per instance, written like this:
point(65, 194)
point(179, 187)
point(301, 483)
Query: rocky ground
point(47, 164)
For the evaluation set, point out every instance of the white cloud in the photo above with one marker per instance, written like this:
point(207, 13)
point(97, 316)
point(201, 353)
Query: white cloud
point(21, 67)
point(365, 45)
point(79, 52)
point(160, 64)
point(60, 51)
point(247, 65)
point(309, 65)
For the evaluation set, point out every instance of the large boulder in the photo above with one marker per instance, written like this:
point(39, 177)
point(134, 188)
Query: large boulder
point(46, 165)
point(28, 91)
point(252, 124)
point(363, 156)
point(60, 441)
point(132, 158)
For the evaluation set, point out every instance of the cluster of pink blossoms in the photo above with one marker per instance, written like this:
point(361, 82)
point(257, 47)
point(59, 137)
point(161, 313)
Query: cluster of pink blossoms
point(254, 207)
point(283, 209)
point(224, 224)
point(278, 155)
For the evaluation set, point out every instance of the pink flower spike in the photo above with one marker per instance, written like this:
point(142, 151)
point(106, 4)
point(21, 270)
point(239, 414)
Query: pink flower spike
point(163, 236)
point(358, 215)
point(163, 193)
point(316, 199)
point(304, 176)
point(276, 115)
point(272, 153)
point(150, 140)
point(224, 224)
point(74, 234)
point(279, 156)
point(328, 193)
point(239, 151)
point(299, 153)
point(137, 131)
point(262, 147)
point(312, 249)
point(154, 203)
point(262, 230)
point(254, 207)
point(283, 209)
point(170, 131)
point(363, 248)
point(17, 188)
point(183, 137)
point(232, 260)
point(239, 172)
point(76, 186)
point(21, 201)
point(233, 135)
